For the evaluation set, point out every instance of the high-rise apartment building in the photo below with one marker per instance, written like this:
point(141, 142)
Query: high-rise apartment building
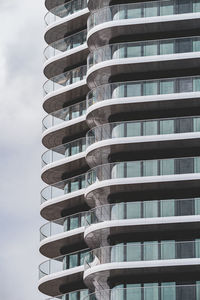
point(122, 201)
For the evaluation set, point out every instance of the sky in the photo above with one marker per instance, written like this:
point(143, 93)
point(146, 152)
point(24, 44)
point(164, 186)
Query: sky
point(21, 59)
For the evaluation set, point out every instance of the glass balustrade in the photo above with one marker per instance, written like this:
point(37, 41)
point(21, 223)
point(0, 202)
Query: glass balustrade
point(130, 169)
point(62, 263)
point(143, 251)
point(149, 291)
point(142, 128)
point(64, 10)
point(144, 49)
point(63, 151)
point(142, 10)
point(143, 88)
point(76, 295)
point(65, 79)
point(143, 209)
point(65, 114)
point(62, 225)
point(65, 44)
point(62, 188)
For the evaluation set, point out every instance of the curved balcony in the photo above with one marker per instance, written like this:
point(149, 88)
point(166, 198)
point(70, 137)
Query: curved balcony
point(67, 17)
point(62, 274)
point(64, 159)
point(64, 195)
point(68, 51)
point(67, 122)
point(141, 19)
point(62, 234)
point(77, 295)
point(140, 217)
point(142, 139)
point(174, 175)
point(135, 58)
point(59, 89)
point(137, 258)
point(153, 291)
point(135, 98)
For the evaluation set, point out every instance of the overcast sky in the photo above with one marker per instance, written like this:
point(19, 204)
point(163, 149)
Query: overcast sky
point(21, 46)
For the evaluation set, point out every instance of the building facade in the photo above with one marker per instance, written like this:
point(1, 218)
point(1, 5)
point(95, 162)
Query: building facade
point(122, 166)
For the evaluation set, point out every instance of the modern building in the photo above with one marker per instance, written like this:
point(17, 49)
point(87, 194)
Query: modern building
point(122, 169)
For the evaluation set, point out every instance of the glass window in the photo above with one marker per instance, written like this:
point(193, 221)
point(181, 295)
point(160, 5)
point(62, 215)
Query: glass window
point(167, 208)
point(168, 291)
point(184, 85)
point(150, 10)
point(197, 165)
point(134, 129)
point(83, 294)
point(118, 92)
point(134, 169)
point(82, 257)
point(74, 186)
point(150, 168)
point(196, 6)
point(117, 211)
point(117, 292)
point(73, 260)
point(167, 87)
point(134, 13)
point(197, 248)
point(150, 291)
point(198, 290)
point(118, 131)
point(167, 127)
point(150, 209)
point(196, 46)
point(133, 89)
point(120, 14)
point(197, 206)
point(133, 251)
point(73, 296)
point(150, 251)
point(151, 49)
point(150, 88)
point(167, 167)
point(133, 210)
point(196, 85)
point(134, 51)
point(166, 9)
point(185, 250)
point(117, 253)
point(166, 48)
point(118, 171)
point(74, 222)
point(167, 249)
point(133, 291)
point(150, 128)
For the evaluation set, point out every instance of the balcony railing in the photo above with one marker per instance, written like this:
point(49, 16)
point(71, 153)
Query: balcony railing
point(63, 151)
point(131, 169)
point(61, 263)
point(143, 251)
point(142, 128)
point(65, 79)
point(65, 44)
point(143, 88)
point(144, 49)
point(64, 10)
point(76, 295)
point(62, 225)
point(142, 10)
point(62, 188)
point(149, 291)
point(143, 209)
point(65, 114)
